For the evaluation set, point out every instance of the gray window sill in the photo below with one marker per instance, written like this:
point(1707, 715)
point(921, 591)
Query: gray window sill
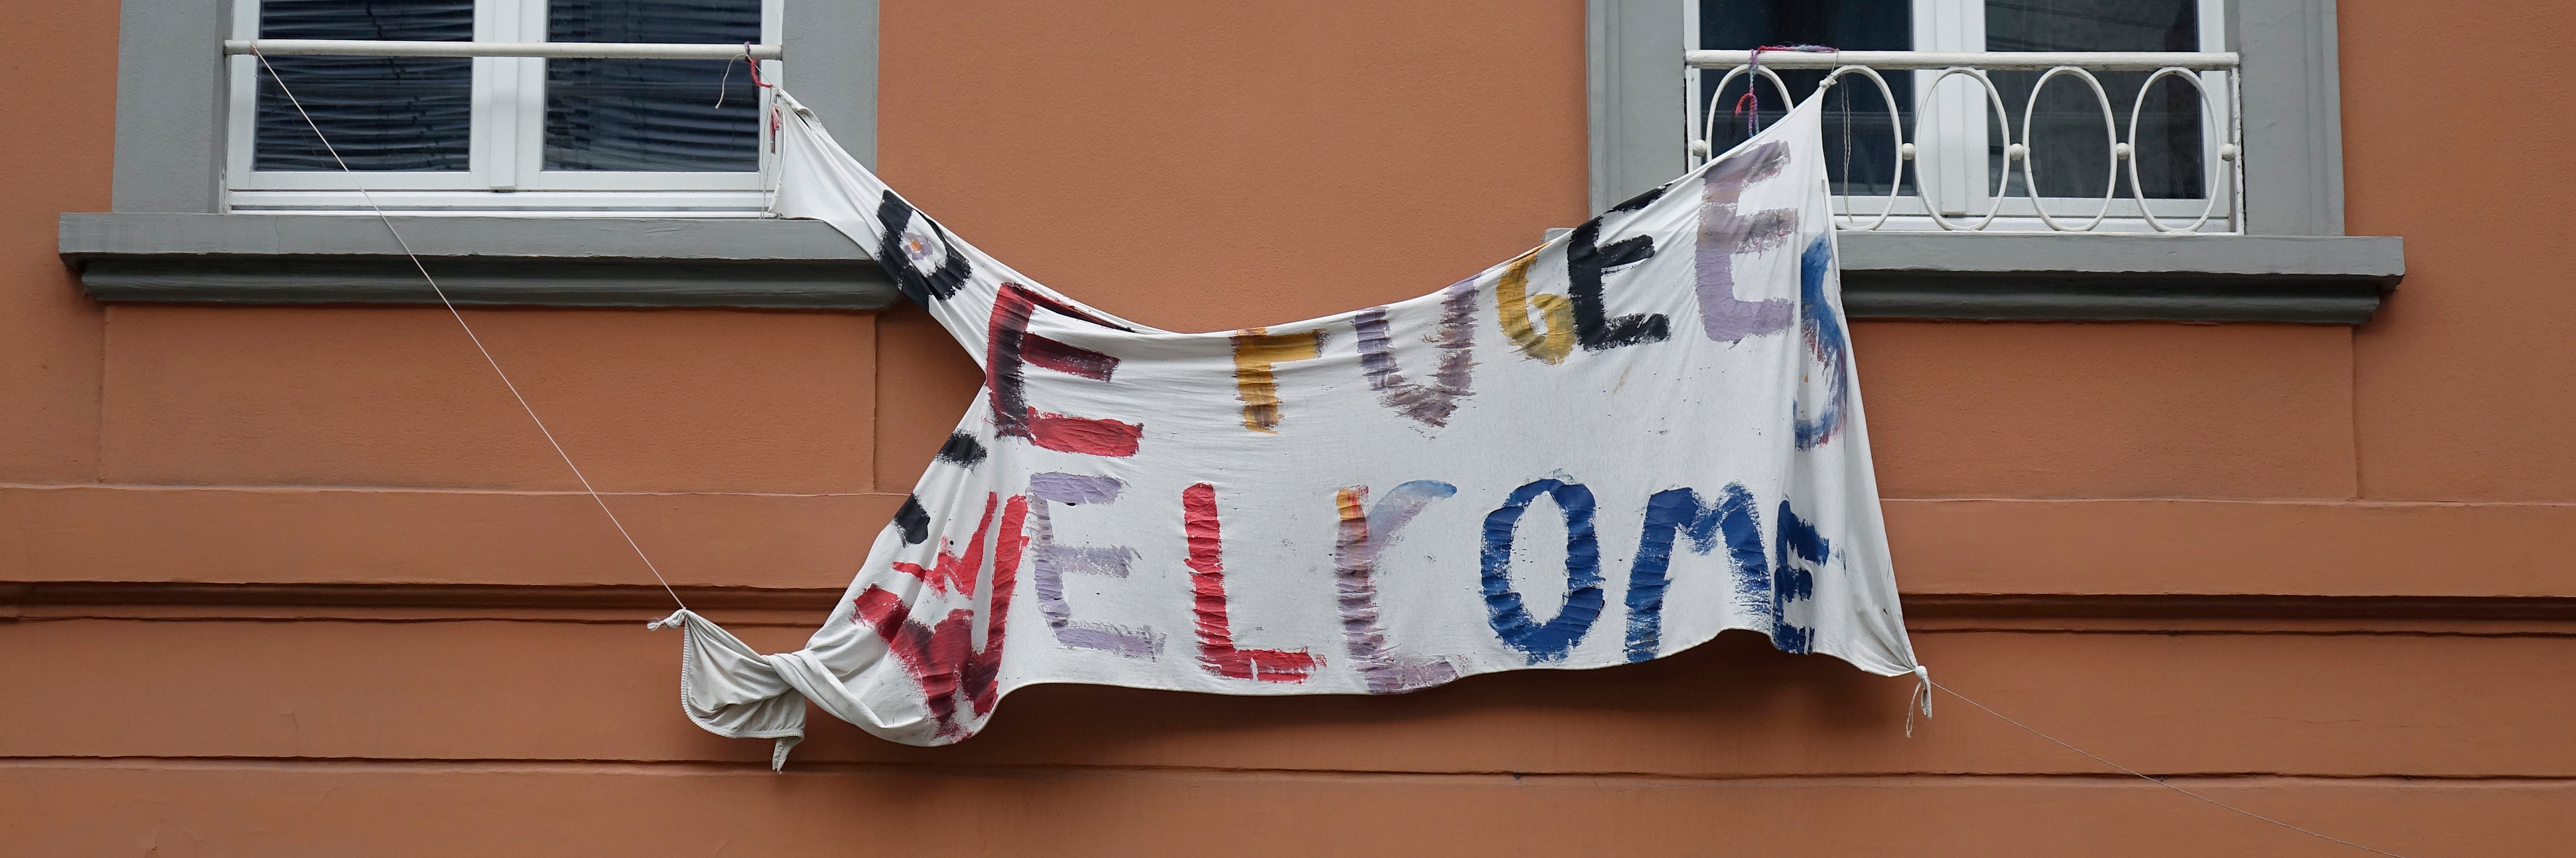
point(2072, 277)
point(720, 262)
point(2195, 278)
point(524, 261)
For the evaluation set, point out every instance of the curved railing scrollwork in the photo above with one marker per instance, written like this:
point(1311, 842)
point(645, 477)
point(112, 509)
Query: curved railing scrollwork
point(2219, 209)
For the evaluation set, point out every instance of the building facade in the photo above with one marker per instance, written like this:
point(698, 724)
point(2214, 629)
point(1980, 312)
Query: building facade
point(2277, 514)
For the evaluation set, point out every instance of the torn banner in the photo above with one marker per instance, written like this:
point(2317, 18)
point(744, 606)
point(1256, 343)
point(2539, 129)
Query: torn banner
point(1605, 450)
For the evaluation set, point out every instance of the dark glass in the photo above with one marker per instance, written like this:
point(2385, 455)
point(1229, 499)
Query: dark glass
point(658, 115)
point(381, 113)
point(1856, 121)
point(2069, 153)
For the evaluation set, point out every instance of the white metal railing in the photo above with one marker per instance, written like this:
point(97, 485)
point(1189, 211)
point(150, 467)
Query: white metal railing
point(549, 50)
point(1954, 206)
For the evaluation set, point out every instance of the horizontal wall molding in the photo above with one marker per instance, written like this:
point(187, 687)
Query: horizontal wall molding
point(2373, 259)
point(803, 605)
point(414, 596)
point(800, 264)
point(2162, 606)
point(91, 235)
point(484, 281)
point(1965, 547)
point(300, 535)
point(480, 260)
point(2036, 297)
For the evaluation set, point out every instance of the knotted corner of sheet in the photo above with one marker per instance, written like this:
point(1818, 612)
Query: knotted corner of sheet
point(732, 690)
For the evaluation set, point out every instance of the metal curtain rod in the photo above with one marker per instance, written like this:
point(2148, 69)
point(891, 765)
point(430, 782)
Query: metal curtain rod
point(1988, 60)
point(551, 50)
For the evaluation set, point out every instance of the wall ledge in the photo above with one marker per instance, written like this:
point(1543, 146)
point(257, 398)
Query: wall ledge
point(798, 264)
point(2081, 277)
point(479, 260)
point(2100, 565)
point(798, 606)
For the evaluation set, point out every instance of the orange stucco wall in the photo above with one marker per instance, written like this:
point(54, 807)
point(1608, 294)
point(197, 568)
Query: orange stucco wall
point(2318, 571)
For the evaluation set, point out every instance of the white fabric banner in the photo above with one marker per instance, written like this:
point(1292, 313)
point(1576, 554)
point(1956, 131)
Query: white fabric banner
point(1605, 450)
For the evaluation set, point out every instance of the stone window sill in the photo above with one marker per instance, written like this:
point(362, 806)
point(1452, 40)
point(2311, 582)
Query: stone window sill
point(2183, 278)
point(790, 264)
point(523, 261)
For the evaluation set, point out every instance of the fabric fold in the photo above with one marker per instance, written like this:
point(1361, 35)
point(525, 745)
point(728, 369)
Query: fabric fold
point(1643, 432)
point(734, 691)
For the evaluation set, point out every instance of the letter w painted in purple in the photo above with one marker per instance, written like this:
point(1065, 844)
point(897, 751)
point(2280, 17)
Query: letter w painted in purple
point(1456, 337)
point(1363, 536)
point(1725, 232)
point(1052, 561)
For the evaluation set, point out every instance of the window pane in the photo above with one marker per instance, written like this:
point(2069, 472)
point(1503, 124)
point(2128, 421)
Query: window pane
point(658, 115)
point(381, 113)
point(1851, 25)
point(2069, 154)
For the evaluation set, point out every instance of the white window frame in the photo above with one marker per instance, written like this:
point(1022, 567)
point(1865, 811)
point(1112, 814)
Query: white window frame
point(505, 172)
point(1955, 154)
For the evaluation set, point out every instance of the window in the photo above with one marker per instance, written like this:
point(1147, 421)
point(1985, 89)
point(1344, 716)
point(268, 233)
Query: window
point(500, 134)
point(2279, 255)
point(636, 195)
point(1962, 165)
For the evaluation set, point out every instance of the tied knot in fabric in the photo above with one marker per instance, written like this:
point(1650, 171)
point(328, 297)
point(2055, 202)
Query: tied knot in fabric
point(1922, 697)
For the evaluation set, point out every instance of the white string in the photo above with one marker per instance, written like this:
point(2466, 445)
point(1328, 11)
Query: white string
point(1927, 679)
point(460, 322)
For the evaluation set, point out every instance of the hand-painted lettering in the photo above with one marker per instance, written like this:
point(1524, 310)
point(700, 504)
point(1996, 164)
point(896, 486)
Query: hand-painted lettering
point(942, 657)
point(954, 573)
point(1513, 300)
point(1674, 512)
point(962, 450)
point(1364, 536)
point(1510, 619)
point(1456, 337)
point(912, 521)
point(1724, 232)
point(1827, 343)
point(1009, 347)
point(1256, 351)
point(1050, 562)
point(1217, 651)
point(1586, 264)
point(917, 253)
point(1803, 549)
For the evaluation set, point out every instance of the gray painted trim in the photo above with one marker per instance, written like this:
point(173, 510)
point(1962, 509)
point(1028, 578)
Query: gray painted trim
point(771, 284)
point(1638, 115)
point(2105, 298)
point(530, 261)
point(831, 65)
point(2215, 278)
point(171, 99)
point(663, 262)
point(2183, 278)
point(2292, 101)
point(2377, 259)
point(89, 236)
point(169, 105)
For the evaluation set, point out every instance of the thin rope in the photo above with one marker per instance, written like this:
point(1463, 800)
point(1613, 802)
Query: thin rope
point(469, 329)
point(2090, 755)
point(1749, 105)
point(1848, 92)
point(726, 82)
